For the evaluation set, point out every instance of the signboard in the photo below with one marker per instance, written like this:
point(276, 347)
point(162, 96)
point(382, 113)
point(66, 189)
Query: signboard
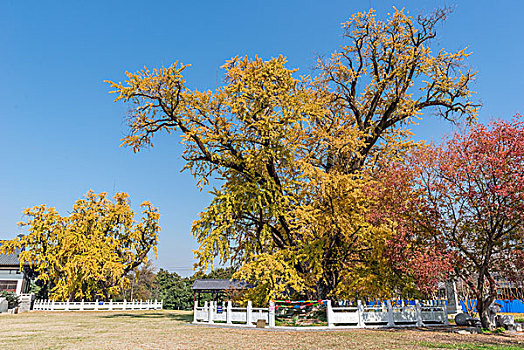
point(219, 309)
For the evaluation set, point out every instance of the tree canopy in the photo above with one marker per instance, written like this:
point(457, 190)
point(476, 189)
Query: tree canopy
point(88, 253)
point(471, 192)
point(297, 157)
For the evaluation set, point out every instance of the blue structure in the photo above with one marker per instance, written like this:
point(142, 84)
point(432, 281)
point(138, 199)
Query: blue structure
point(513, 306)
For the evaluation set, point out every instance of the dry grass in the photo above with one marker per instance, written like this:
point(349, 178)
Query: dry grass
point(170, 330)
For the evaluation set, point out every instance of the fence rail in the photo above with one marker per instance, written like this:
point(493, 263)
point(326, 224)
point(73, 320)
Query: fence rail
point(384, 314)
point(388, 314)
point(212, 312)
point(50, 305)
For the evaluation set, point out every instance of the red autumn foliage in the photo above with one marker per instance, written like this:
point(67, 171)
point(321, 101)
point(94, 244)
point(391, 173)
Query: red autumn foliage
point(470, 197)
point(415, 256)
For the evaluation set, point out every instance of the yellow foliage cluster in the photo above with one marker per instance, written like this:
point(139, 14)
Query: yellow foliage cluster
point(87, 254)
point(296, 156)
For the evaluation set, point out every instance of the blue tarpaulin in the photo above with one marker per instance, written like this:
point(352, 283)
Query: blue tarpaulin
point(514, 306)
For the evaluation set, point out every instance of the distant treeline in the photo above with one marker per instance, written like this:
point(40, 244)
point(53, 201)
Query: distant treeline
point(170, 287)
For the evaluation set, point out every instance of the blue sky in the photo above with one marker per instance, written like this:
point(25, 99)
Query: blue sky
point(60, 130)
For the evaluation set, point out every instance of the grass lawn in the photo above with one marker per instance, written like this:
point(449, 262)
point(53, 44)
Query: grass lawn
point(170, 330)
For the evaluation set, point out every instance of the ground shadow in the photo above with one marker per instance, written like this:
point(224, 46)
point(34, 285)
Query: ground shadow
point(165, 315)
point(477, 341)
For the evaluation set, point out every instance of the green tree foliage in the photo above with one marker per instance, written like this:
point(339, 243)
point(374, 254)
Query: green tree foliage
point(174, 290)
point(298, 156)
point(224, 273)
point(11, 297)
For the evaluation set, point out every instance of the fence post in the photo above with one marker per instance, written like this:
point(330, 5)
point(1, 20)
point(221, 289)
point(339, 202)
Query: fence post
point(82, 305)
point(52, 305)
point(229, 312)
point(271, 314)
point(360, 310)
point(249, 311)
point(124, 307)
point(210, 312)
point(195, 305)
point(445, 310)
point(391, 320)
point(418, 312)
point(329, 314)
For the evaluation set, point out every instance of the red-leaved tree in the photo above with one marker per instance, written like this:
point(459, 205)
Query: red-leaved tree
point(470, 194)
point(417, 259)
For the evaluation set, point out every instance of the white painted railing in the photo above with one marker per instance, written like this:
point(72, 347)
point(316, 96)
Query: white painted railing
point(387, 314)
point(51, 305)
point(212, 312)
point(379, 314)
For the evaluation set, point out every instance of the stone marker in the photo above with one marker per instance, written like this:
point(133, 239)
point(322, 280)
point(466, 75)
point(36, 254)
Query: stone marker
point(4, 305)
point(463, 319)
point(25, 302)
point(261, 323)
point(493, 309)
point(507, 321)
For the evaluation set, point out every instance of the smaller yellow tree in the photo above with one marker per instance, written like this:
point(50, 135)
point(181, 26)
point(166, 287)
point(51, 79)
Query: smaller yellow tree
point(87, 254)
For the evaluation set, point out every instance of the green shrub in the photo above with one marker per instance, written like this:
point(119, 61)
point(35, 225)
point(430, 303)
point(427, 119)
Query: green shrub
point(12, 299)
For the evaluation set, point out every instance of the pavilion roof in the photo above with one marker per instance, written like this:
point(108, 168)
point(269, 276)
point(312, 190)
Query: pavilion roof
point(218, 284)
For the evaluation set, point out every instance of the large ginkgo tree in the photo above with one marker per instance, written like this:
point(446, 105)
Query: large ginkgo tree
point(295, 156)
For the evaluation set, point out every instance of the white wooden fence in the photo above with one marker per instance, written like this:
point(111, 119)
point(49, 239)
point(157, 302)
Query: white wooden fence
point(384, 314)
point(212, 312)
point(50, 305)
point(388, 314)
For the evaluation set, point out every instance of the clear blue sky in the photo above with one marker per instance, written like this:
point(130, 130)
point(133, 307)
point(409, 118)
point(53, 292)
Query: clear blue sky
point(60, 130)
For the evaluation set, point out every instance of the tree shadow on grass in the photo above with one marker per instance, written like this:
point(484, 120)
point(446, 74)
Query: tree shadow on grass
point(502, 341)
point(150, 315)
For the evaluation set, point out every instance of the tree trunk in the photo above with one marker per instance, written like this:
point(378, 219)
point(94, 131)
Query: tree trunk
point(483, 305)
